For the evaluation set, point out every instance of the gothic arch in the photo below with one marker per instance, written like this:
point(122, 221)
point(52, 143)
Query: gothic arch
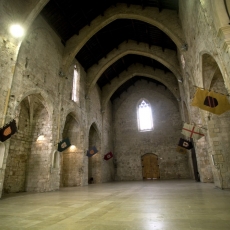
point(44, 98)
point(167, 58)
point(149, 15)
point(134, 70)
point(212, 74)
point(95, 161)
point(33, 158)
point(71, 158)
point(95, 126)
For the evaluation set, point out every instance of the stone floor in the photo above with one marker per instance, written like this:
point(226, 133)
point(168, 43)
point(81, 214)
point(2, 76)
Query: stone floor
point(143, 205)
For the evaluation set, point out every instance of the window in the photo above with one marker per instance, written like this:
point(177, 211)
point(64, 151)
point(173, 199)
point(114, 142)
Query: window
point(75, 90)
point(144, 116)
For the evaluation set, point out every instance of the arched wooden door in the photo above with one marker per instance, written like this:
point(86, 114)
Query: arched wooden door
point(150, 167)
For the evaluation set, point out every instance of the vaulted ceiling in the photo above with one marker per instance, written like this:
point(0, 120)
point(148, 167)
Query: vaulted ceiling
point(68, 17)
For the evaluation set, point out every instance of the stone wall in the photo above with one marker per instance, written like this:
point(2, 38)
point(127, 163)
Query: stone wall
point(206, 58)
point(130, 144)
point(41, 94)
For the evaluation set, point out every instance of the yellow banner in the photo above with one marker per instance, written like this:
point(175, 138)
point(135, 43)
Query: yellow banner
point(210, 101)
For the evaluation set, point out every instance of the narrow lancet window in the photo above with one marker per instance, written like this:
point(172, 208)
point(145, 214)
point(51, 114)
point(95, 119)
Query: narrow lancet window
point(144, 114)
point(75, 85)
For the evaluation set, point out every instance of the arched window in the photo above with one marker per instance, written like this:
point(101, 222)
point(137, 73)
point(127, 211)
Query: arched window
point(144, 116)
point(75, 89)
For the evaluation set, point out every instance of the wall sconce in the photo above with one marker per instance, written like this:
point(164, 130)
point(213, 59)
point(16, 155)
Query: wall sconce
point(73, 148)
point(41, 137)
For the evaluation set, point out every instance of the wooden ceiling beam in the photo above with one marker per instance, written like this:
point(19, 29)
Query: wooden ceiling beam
point(115, 71)
point(162, 40)
point(153, 64)
point(125, 65)
point(103, 4)
point(143, 3)
point(111, 37)
point(92, 54)
point(128, 3)
point(85, 16)
point(142, 60)
point(101, 47)
point(135, 31)
point(107, 78)
point(160, 7)
point(66, 16)
point(133, 81)
point(148, 36)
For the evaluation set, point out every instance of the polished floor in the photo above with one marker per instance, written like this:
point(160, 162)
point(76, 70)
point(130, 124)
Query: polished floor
point(143, 205)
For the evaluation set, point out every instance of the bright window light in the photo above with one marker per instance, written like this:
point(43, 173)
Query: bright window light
point(16, 30)
point(145, 120)
point(75, 84)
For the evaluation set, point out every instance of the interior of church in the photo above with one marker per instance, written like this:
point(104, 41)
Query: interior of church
point(97, 93)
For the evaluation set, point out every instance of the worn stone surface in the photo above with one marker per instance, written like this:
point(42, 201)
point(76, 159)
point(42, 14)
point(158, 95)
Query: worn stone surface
point(130, 144)
point(37, 93)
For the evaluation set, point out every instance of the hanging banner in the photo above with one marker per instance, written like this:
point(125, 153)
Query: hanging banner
point(211, 101)
point(91, 151)
point(63, 145)
point(185, 144)
point(8, 130)
point(108, 156)
point(192, 131)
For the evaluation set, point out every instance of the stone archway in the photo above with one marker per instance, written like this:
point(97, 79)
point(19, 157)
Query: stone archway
point(71, 159)
point(130, 47)
point(218, 131)
point(28, 162)
point(94, 162)
point(168, 80)
point(168, 23)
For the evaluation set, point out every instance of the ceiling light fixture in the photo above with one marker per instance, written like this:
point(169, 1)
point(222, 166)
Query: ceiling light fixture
point(16, 30)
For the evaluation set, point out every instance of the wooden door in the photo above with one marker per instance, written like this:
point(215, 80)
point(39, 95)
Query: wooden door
point(150, 167)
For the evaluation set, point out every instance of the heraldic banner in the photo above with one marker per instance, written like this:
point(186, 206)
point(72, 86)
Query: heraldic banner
point(192, 131)
point(63, 145)
point(185, 144)
point(108, 156)
point(91, 151)
point(210, 101)
point(8, 130)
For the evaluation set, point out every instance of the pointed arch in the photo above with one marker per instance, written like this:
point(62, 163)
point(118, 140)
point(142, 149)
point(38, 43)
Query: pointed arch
point(167, 21)
point(168, 58)
point(138, 70)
